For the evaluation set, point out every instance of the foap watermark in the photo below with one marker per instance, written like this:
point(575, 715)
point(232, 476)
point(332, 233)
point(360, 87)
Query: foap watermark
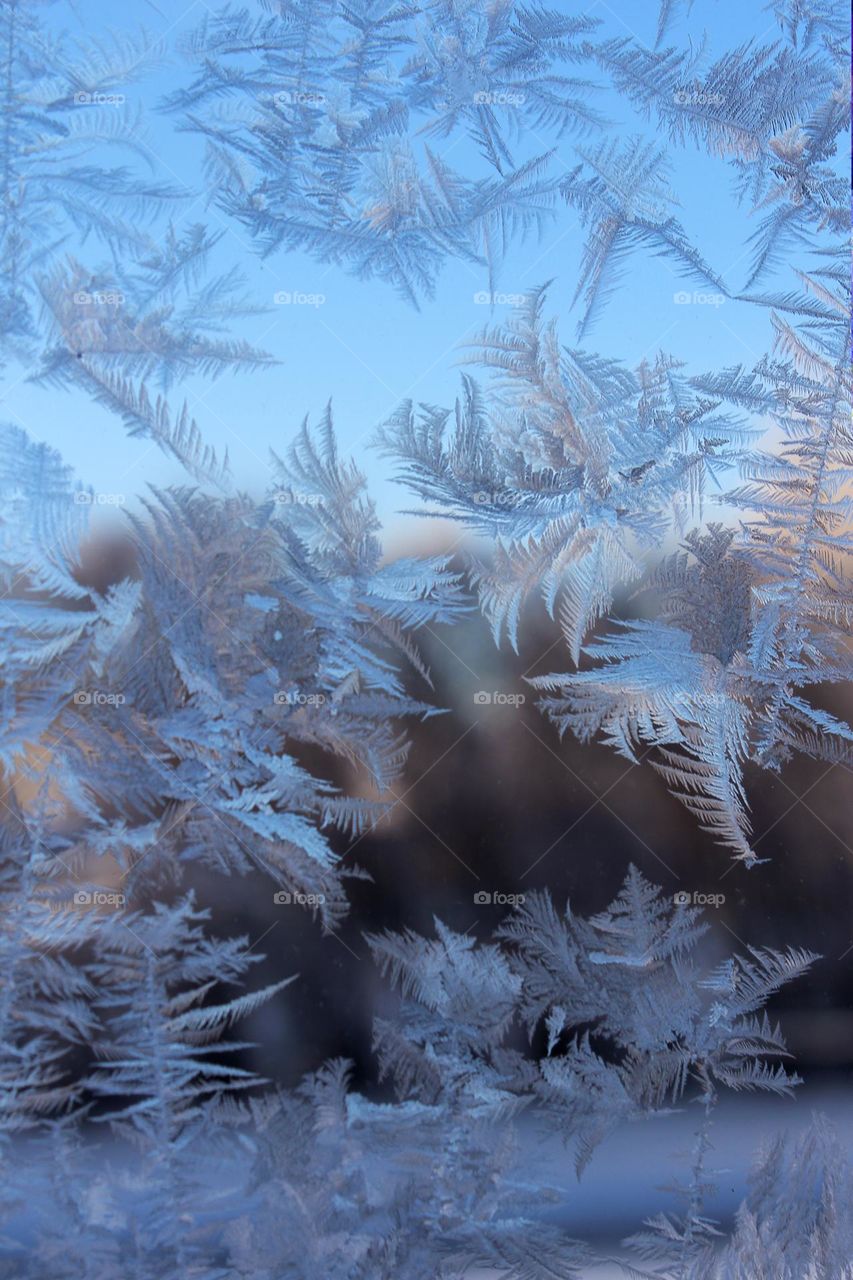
point(486, 499)
point(299, 98)
point(98, 698)
point(696, 899)
point(697, 299)
point(296, 298)
point(98, 298)
point(296, 698)
point(499, 98)
point(284, 899)
point(289, 497)
point(696, 97)
point(85, 99)
point(99, 898)
point(494, 698)
point(487, 898)
point(489, 298)
point(86, 498)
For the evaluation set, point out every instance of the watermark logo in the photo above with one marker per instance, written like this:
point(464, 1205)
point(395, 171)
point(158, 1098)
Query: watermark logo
point(284, 899)
point(98, 698)
point(485, 898)
point(289, 497)
point(299, 98)
point(295, 298)
point(697, 299)
point(295, 698)
point(98, 898)
point(98, 298)
point(84, 99)
point(85, 498)
point(485, 298)
point(486, 499)
point(501, 98)
point(697, 98)
point(696, 899)
point(494, 698)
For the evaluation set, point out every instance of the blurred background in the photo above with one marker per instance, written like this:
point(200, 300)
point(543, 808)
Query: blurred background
point(492, 802)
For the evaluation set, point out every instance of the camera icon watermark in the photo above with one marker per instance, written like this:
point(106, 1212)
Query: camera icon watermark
point(485, 898)
point(99, 898)
point(84, 99)
point(498, 499)
point(98, 698)
point(495, 698)
point(299, 98)
point(98, 297)
point(500, 98)
point(698, 299)
point(695, 899)
point(291, 498)
point(86, 498)
point(284, 899)
point(296, 298)
point(697, 98)
point(485, 298)
point(296, 698)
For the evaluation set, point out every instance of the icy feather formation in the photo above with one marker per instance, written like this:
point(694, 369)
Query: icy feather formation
point(577, 468)
point(324, 1181)
point(321, 123)
point(60, 105)
point(572, 464)
point(180, 698)
point(169, 718)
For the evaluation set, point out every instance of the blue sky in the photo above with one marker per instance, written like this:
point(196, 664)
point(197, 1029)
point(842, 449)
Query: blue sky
point(364, 347)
